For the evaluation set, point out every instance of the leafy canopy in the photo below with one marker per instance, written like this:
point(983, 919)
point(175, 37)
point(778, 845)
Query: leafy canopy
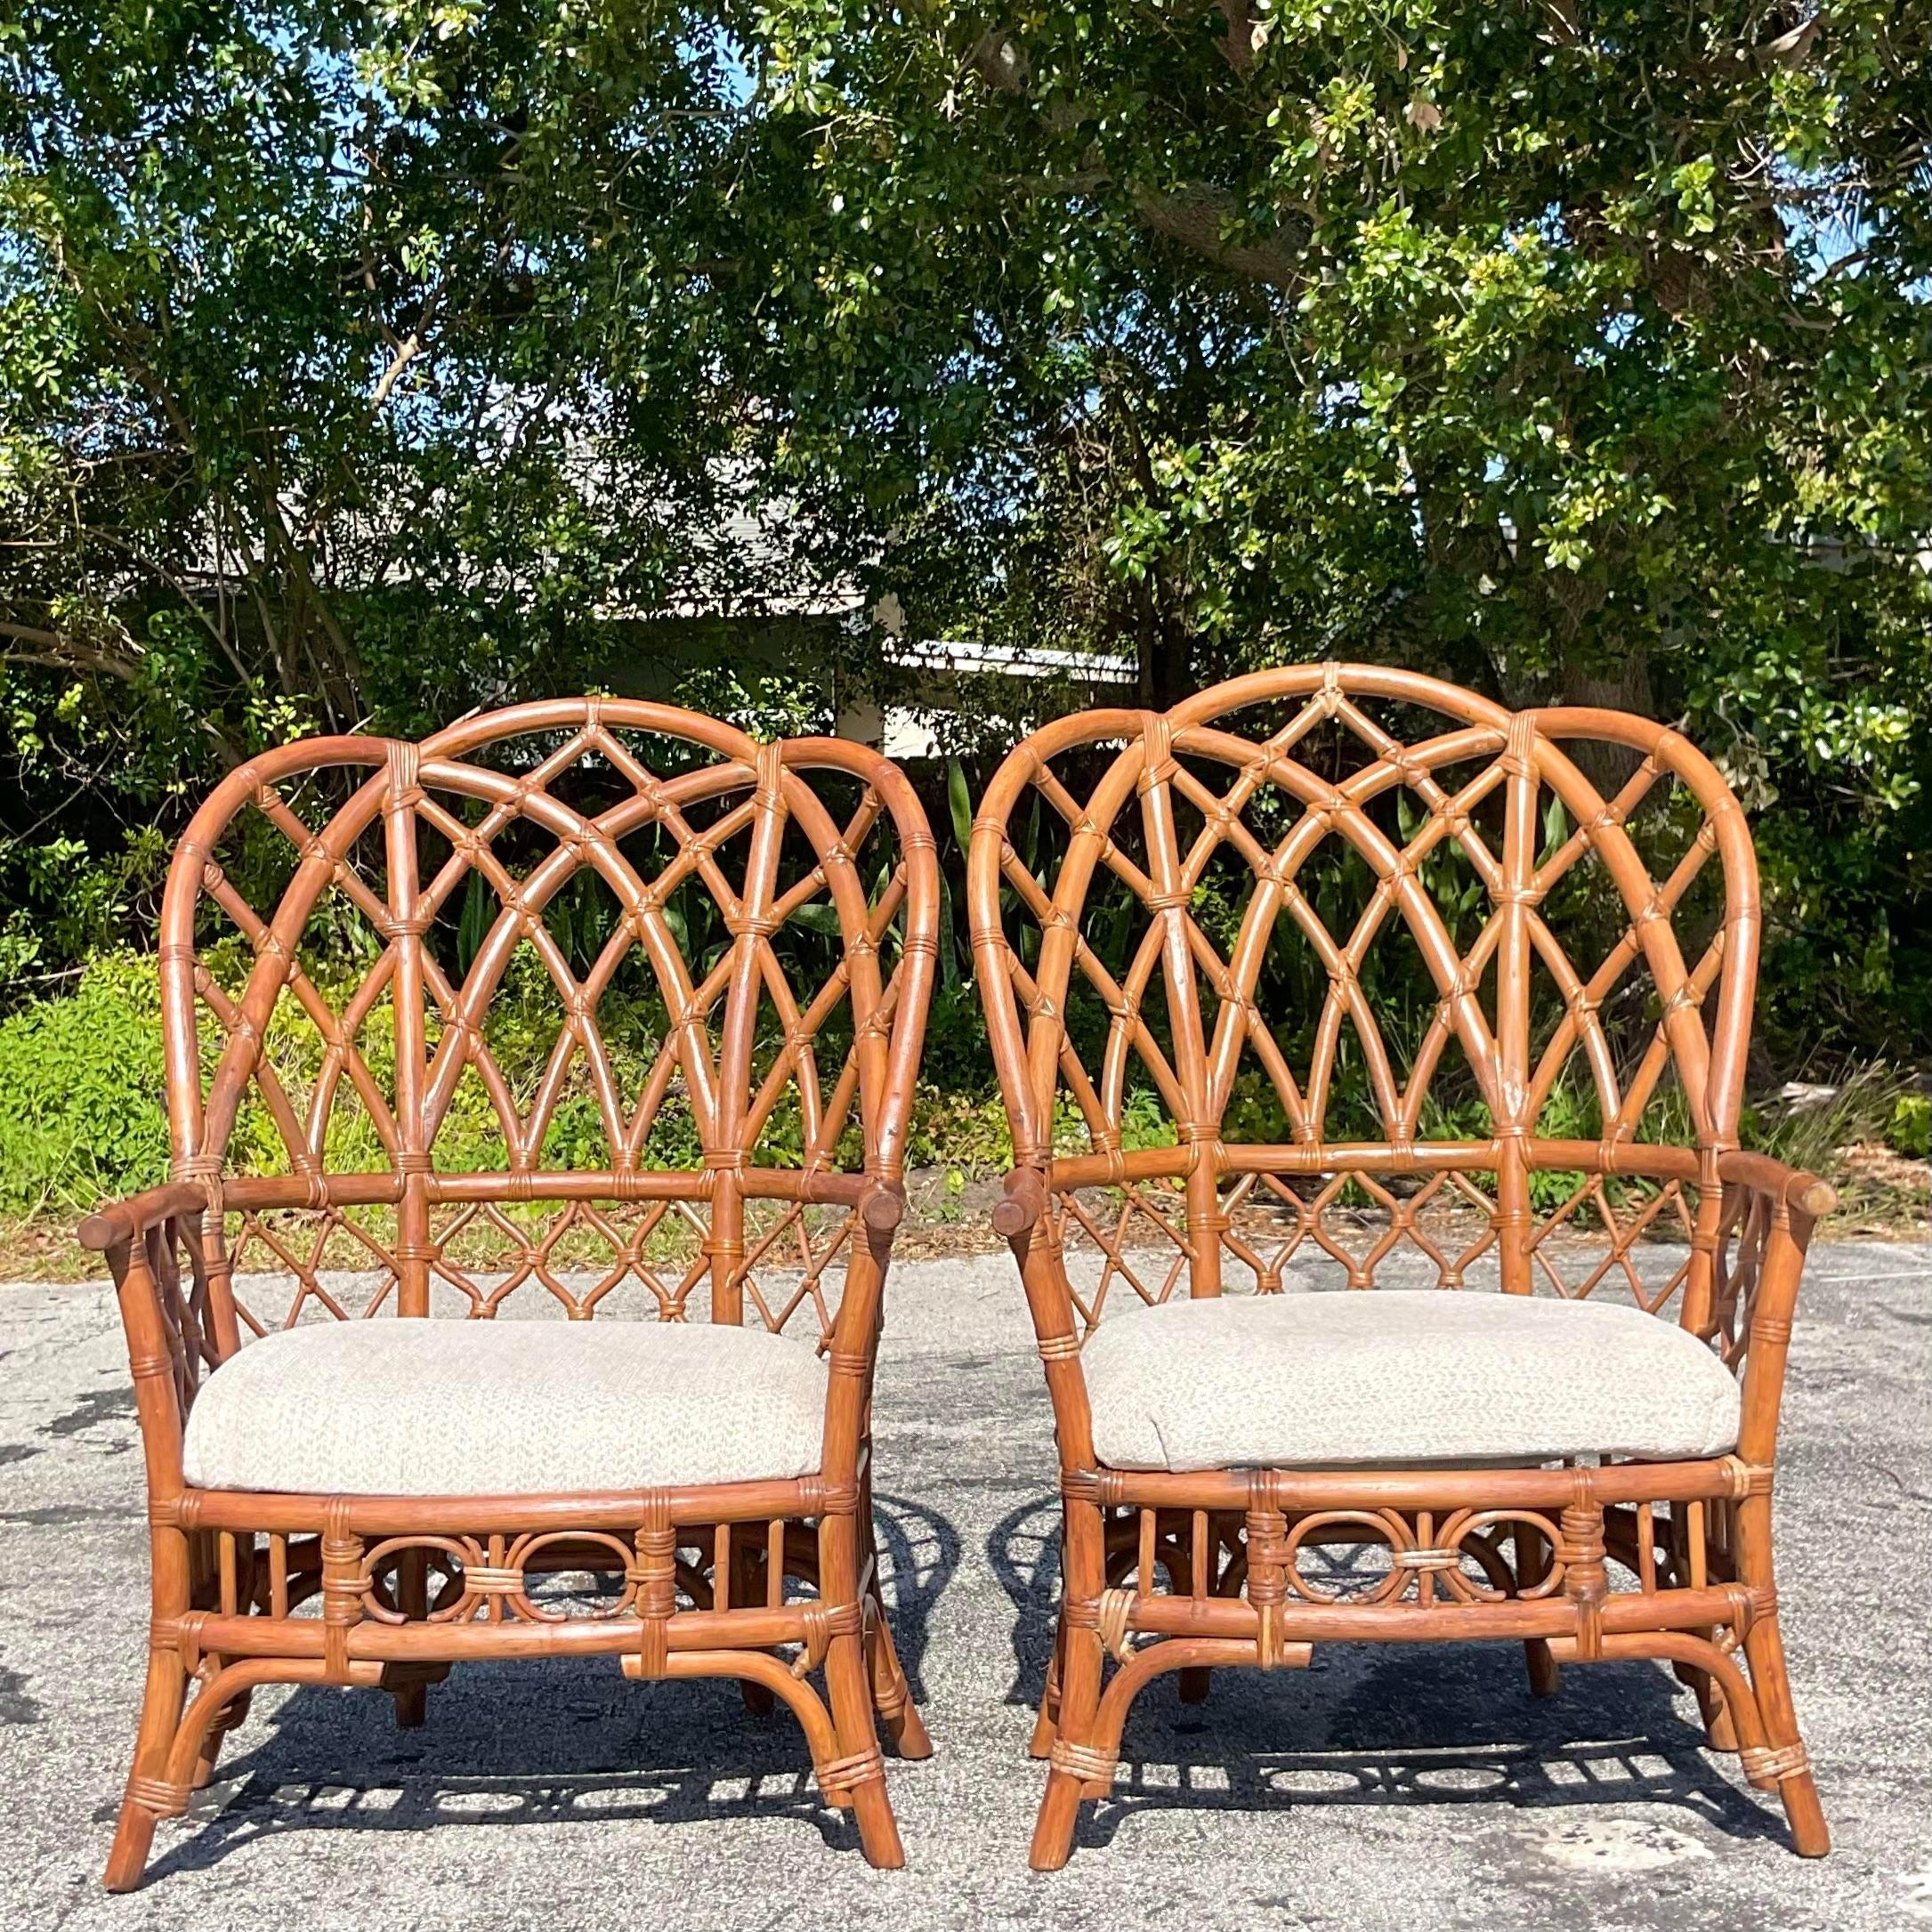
point(364, 362)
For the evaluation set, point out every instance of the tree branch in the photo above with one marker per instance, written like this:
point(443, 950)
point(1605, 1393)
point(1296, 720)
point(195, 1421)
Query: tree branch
point(57, 650)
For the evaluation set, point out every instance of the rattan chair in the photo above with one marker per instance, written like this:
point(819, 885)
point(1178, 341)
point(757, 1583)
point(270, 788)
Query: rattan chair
point(369, 1502)
point(1444, 1095)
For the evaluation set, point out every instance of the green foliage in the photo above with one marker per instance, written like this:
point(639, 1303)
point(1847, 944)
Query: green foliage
point(81, 1093)
point(82, 1083)
point(359, 361)
point(350, 370)
point(1581, 352)
point(1909, 1130)
point(81, 1119)
point(1810, 1132)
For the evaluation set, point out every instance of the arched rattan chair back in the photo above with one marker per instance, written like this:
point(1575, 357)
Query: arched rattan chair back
point(449, 860)
point(1447, 825)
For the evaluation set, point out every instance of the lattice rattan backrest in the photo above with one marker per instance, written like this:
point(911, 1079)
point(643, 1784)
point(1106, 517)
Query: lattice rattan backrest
point(1183, 923)
point(571, 940)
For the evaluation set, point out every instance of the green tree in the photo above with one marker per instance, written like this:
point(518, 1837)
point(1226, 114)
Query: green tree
point(347, 374)
point(358, 361)
point(1580, 351)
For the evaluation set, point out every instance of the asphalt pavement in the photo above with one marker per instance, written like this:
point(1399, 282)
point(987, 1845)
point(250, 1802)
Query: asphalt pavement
point(1398, 1787)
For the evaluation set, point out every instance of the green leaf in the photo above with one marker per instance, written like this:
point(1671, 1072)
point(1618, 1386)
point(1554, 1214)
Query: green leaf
point(1556, 826)
point(473, 927)
point(949, 956)
point(817, 917)
point(960, 799)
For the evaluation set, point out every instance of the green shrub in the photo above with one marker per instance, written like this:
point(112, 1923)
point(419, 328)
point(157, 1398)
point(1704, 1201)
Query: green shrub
point(81, 1111)
point(82, 1116)
point(1911, 1130)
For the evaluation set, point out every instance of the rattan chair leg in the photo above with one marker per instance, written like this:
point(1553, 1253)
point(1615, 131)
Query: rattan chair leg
point(1074, 1765)
point(1195, 1682)
point(1546, 1674)
point(1533, 1564)
point(1786, 1762)
point(892, 1695)
point(1071, 1757)
point(412, 1584)
point(859, 1771)
point(1047, 1722)
point(144, 1805)
point(1790, 1768)
point(748, 1585)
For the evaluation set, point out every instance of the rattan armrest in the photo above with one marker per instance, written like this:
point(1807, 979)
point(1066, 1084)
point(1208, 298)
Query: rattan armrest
point(1020, 1204)
point(123, 1221)
point(1795, 1188)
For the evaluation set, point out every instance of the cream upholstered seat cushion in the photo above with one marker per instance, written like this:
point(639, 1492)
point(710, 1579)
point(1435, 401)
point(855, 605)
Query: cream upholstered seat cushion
point(392, 1407)
point(1378, 1376)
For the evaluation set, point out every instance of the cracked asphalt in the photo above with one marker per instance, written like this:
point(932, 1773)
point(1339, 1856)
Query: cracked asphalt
point(1395, 1786)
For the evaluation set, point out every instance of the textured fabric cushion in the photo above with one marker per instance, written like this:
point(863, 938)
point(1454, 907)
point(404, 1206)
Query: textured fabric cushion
point(1400, 1376)
point(440, 1408)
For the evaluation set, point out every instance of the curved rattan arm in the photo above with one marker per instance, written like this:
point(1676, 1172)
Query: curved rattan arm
point(176, 1332)
point(124, 1221)
point(1796, 1188)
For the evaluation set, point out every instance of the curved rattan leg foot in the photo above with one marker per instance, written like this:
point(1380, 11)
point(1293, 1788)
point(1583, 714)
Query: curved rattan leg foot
point(800, 1698)
point(1772, 1756)
point(133, 1835)
point(231, 1719)
point(150, 1797)
point(1784, 1761)
point(1077, 1769)
point(1185, 1655)
point(1047, 1722)
point(892, 1695)
point(1811, 1836)
point(859, 1771)
point(173, 1742)
point(1067, 1782)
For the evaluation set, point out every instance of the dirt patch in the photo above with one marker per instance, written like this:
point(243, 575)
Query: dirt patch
point(1881, 1193)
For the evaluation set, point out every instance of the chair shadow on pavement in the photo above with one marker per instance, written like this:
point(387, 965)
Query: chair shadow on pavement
point(544, 1741)
point(1389, 1723)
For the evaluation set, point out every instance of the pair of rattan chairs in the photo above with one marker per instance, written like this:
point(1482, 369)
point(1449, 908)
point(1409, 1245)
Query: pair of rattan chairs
point(729, 947)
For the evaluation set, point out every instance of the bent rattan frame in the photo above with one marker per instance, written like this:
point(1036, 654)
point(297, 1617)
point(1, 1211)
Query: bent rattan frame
point(771, 1582)
point(1214, 1566)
